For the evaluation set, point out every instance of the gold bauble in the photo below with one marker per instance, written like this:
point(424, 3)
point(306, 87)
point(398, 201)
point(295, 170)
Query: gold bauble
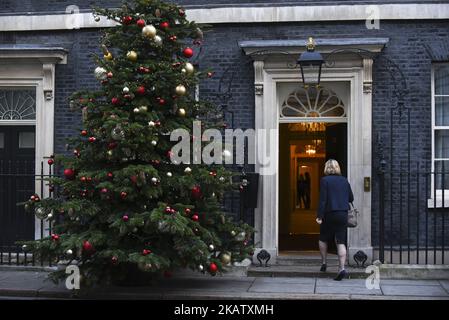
point(181, 90)
point(132, 56)
point(149, 31)
point(189, 68)
point(225, 258)
point(108, 56)
point(181, 112)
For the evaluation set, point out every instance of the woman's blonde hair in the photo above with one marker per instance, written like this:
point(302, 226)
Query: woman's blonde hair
point(332, 167)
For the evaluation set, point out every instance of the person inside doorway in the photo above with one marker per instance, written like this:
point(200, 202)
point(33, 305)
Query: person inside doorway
point(307, 190)
point(301, 191)
point(332, 216)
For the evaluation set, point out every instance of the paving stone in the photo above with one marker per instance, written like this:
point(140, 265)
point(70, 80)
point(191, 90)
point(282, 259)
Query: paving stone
point(445, 284)
point(337, 289)
point(264, 285)
point(410, 282)
point(343, 283)
point(408, 290)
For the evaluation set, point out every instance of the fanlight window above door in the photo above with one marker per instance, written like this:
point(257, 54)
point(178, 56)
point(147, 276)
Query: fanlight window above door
point(17, 104)
point(312, 103)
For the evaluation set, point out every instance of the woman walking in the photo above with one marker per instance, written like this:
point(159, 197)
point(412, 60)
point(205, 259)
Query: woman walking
point(335, 196)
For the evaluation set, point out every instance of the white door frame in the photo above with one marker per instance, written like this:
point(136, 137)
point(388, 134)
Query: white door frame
point(35, 67)
point(268, 74)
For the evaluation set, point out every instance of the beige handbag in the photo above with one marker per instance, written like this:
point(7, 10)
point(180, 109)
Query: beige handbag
point(352, 216)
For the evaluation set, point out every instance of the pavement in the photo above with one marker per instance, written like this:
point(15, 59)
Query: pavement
point(16, 284)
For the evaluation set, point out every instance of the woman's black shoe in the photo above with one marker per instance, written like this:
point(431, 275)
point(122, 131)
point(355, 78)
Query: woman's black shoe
point(323, 267)
point(341, 275)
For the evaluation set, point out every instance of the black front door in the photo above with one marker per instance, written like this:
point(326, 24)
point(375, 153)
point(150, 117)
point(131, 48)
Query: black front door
point(17, 182)
point(337, 145)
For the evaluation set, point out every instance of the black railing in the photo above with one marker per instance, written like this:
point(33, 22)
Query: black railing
point(412, 216)
point(18, 181)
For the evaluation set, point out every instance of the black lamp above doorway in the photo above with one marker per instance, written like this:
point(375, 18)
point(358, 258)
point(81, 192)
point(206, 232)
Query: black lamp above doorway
point(310, 62)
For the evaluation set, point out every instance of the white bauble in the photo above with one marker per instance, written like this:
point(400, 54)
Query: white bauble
point(100, 73)
point(151, 124)
point(149, 31)
point(69, 252)
point(189, 68)
point(158, 40)
point(187, 170)
point(154, 143)
point(154, 180)
point(169, 174)
point(125, 90)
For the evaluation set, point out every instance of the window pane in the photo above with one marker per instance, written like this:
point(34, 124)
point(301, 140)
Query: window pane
point(17, 103)
point(2, 140)
point(26, 140)
point(442, 79)
point(441, 180)
point(441, 143)
point(442, 111)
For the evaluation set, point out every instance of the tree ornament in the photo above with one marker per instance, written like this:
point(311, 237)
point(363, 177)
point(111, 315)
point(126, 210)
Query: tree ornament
point(140, 90)
point(190, 69)
point(110, 175)
point(143, 108)
point(161, 102)
point(180, 90)
point(84, 133)
point(114, 260)
point(97, 19)
point(49, 216)
point(225, 258)
point(146, 252)
point(118, 133)
point(87, 247)
point(210, 74)
point(233, 233)
point(181, 112)
point(195, 217)
point(140, 23)
point(40, 213)
point(211, 247)
point(100, 73)
point(188, 52)
point(169, 174)
point(153, 143)
point(109, 75)
point(149, 31)
point(125, 90)
point(201, 267)
point(154, 180)
point(69, 252)
point(187, 211)
point(108, 56)
point(213, 268)
point(151, 124)
point(55, 237)
point(125, 218)
point(132, 56)
point(50, 162)
point(69, 174)
point(123, 194)
point(136, 110)
point(158, 40)
point(188, 170)
point(115, 101)
point(127, 20)
point(164, 25)
point(92, 139)
point(196, 192)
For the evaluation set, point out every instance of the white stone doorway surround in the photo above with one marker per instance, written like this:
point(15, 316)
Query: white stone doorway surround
point(273, 60)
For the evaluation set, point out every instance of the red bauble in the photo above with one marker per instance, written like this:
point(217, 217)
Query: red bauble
point(187, 211)
point(162, 102)
point(146, 252)
point(195, 217)
point(140, 23)
point(213, 268)
point(140, 90)
point(104, 191)
point(123, 194)
point(50, 161)
point(110, 75)
point(114, 260)
point(127, 20)
point(188, 52)
point(83, 179)
point(167, 209)
point(55, 237)
point(69, 174)
point(84, 133)
point(182, 13)
point(170, 154)
point(164, 25)
point(112, 145)
point(110, 175)
point(196, 192)
point(92, 139)
point(87, 246)
point(125, 218)
point(115, 100)
point(210, 74)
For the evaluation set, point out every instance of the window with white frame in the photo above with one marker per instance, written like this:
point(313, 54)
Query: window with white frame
point(440, 124)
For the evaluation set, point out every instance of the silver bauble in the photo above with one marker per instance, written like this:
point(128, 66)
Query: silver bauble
point(100, 73)
point(211, 247)
point(158, 40)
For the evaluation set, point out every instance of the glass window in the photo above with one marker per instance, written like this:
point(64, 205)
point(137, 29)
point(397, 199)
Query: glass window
point(18, 103)
point(26, 140)
point(441, 74)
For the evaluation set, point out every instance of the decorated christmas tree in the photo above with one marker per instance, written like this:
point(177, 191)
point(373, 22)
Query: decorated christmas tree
point(121, 203)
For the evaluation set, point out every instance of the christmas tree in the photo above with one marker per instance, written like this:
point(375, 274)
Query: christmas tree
point(121, 202)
